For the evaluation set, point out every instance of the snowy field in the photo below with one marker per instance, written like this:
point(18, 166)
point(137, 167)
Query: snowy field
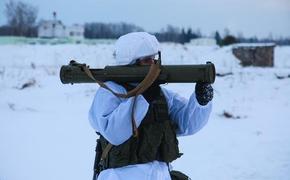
point(45, 133)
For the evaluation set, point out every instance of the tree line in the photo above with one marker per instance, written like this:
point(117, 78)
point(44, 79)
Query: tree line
point(115, 30)
point(21, 21)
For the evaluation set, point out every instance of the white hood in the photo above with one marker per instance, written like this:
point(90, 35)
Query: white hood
point(133, 46)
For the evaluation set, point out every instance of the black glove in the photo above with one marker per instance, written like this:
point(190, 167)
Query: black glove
point(203, 92)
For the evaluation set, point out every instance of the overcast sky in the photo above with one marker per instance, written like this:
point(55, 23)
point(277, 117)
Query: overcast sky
point(248, 17)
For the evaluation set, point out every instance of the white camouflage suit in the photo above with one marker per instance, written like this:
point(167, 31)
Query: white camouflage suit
point(111, 116)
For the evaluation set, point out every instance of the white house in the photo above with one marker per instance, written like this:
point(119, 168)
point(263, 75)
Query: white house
point(56, 29)
point(75, 31)
point(51, 29)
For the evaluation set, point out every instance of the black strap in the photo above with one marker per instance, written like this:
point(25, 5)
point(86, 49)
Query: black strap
point(97, 168)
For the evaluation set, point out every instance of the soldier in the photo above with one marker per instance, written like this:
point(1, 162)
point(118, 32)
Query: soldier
point(159, 116)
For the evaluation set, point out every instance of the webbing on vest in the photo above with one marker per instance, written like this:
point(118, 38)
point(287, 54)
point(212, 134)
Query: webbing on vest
point(157, 140)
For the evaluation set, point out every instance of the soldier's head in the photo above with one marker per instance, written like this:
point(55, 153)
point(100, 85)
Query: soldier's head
point(136, 48)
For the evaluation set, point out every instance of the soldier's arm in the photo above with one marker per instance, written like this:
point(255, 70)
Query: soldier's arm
point(111, 115)
point(189, 115)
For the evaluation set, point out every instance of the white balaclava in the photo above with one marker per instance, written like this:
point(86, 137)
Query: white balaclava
point(132, 46)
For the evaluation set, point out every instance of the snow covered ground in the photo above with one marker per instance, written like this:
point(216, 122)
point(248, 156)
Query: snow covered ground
point(45, 134)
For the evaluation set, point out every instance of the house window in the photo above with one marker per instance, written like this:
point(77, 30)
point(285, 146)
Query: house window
point(71, 33)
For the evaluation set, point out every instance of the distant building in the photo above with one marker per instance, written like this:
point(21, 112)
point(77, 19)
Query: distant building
point(56, 29)
point(51, 29)
point(203, 42)
point(255, 54)
point(75, 31)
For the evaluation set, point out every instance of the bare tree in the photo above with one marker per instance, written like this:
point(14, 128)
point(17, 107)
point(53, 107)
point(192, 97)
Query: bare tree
point(21, 17)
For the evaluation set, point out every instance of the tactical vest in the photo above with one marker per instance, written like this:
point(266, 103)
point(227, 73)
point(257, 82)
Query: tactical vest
point(156, 141)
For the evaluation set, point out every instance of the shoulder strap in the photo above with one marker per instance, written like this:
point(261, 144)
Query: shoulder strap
point(151, 76)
